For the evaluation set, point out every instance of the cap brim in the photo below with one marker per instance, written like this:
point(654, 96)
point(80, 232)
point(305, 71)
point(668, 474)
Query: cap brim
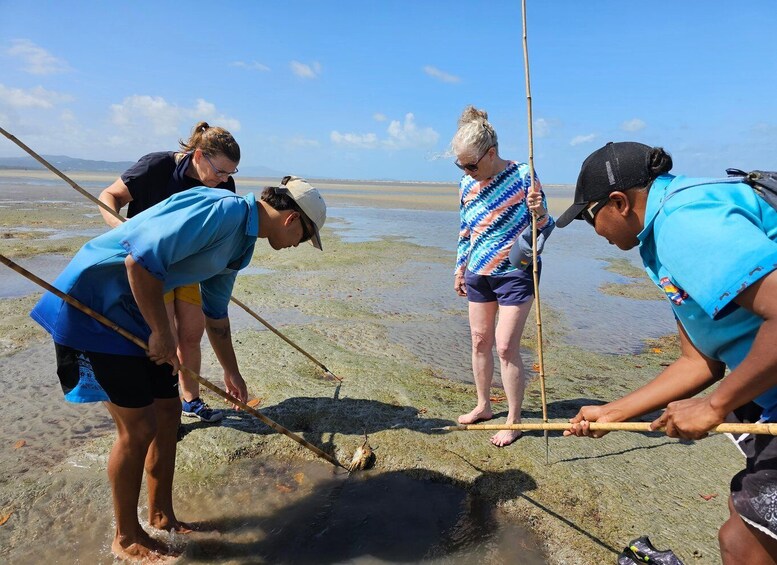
point(571, 213)
point(316, 239)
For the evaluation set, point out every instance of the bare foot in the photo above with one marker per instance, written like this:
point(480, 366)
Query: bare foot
point(174, 525)
point(477, 415)
point(147, 550)
point(506, 437)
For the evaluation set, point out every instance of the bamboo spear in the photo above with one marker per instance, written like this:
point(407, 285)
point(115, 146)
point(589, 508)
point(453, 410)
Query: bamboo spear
point(142, 344)
point(768, 429)
point(121, 218)
point(535, 267)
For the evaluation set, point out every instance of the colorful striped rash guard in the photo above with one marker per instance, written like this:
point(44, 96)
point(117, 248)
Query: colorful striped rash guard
point(493, 213)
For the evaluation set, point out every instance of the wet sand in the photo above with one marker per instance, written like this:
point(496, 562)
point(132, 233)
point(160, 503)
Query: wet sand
point(377, 314)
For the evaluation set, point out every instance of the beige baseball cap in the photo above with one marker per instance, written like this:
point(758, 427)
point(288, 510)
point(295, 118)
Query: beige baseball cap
point(310, 201)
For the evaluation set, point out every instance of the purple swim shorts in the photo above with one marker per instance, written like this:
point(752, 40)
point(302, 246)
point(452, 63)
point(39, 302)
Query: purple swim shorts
point(510, 289)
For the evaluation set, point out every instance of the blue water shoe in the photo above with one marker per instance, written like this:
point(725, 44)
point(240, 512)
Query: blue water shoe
point(198, 409)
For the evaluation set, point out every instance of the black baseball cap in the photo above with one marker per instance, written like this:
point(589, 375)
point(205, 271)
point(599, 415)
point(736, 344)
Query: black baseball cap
point(614, 167)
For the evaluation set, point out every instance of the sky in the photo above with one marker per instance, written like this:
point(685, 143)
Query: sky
point(373, 90)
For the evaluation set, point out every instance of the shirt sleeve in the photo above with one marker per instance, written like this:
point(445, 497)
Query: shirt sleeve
point(464, 243)
point(184, 225)
point(216, 292)
point(714, 250)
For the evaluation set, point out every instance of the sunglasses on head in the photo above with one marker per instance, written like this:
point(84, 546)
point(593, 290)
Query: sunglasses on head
point(589, 213)
point(474, 166)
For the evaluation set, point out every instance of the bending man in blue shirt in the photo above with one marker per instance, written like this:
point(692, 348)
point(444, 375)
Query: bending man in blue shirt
point(711, 246)
point(201, 236)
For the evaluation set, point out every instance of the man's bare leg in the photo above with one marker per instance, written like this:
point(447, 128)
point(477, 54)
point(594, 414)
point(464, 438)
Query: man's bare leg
point(135, 430)
point(160, 466)
point(742, 544)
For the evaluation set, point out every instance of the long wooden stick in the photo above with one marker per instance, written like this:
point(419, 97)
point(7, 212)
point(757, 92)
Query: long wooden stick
point(535, 266)
point(769, 429)
point(121, 218)
point(142, 344)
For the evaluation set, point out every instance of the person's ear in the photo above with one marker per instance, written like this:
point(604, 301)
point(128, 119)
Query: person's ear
point(290, 219)
point(621, 201)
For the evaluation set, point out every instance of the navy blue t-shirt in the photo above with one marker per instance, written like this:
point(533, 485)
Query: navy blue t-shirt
point(157, 176)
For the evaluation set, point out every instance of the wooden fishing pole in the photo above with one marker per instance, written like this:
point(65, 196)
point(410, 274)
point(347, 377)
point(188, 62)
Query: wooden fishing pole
point(142, 344)
point(643, 427)
point(535, 266)
point(121, 218)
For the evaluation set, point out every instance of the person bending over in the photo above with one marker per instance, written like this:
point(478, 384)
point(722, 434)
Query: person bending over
point(200, 236)
point(711, 247)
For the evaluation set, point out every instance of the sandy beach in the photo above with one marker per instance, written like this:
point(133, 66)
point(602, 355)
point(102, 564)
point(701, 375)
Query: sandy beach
point(381, 314)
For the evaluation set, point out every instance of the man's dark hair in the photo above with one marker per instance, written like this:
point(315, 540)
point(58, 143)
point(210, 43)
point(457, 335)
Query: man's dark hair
point(279, 200)
point(660, 163)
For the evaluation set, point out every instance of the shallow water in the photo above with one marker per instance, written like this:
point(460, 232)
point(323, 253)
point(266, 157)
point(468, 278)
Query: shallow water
point(34, 412)
point(573, 271)
point(573, 268)
point(258, 511)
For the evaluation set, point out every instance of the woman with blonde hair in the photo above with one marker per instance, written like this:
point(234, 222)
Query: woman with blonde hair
point(208, 158)
point(495, 206)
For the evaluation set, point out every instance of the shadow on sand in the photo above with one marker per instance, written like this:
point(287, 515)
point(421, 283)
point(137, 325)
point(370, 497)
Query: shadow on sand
point(317, 419)
point(399, 516)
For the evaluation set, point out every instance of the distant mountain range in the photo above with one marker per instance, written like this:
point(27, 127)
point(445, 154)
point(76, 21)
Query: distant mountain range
point(65, 163)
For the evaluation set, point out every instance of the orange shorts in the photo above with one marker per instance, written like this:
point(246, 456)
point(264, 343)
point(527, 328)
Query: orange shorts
point(189, 293)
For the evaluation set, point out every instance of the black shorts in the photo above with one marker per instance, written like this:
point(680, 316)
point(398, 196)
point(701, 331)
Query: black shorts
point(754, 489)
point(124, 380)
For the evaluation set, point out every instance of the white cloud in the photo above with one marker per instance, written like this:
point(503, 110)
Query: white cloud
point(582, 139)
point(366, 140)
point(303, 142)
point(541, 127)
point(37, 97)
point(401, 135)
point(378, 117)
point(306, 71)
point(252, 66)
point(408, 134)
point(633, 125)
point(153, 114)
point(36, 59)
point(139, 111)
point(207, 111)
point(440, 75)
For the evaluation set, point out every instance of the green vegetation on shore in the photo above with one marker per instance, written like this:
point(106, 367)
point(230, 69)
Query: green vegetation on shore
point(639, 287)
